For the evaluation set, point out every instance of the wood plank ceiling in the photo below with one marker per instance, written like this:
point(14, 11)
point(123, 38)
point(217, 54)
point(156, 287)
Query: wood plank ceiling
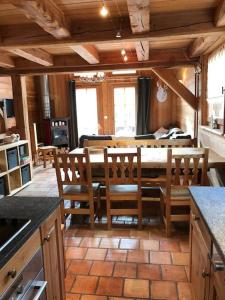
point(39, 36)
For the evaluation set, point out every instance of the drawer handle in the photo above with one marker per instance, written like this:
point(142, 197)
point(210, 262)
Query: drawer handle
point(218, 266)
point(205, 274)
point(47, 238)
point(196, 218)
point(12, 273)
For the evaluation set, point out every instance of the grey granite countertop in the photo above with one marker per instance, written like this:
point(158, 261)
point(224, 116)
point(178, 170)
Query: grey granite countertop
point(211, 204)
point(35, 208)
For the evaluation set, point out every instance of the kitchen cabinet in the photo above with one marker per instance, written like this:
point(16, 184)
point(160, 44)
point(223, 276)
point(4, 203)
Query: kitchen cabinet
point(52, 242)
point(207, 272)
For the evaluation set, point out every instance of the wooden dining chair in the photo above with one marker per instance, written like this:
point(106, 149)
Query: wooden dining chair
point(183, 170)
point(74, 179)
point(123, 183)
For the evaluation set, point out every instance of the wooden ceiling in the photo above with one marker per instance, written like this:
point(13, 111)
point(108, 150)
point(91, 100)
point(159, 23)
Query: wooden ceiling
point(39, 36)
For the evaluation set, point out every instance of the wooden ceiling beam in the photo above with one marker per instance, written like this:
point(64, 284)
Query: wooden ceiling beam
point(87, 52)
point(139, 14)
point(173, 83)
point(85, 36)
point(109, 62)
point(220, 14)
point(6, 61)
point(46, 14)
point(201, 45)
point(38, 56)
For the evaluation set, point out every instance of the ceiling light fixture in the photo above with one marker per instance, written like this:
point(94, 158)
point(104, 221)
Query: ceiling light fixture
point(125, 58)
point(91, 77)
point(104, 11)
point(123, 52)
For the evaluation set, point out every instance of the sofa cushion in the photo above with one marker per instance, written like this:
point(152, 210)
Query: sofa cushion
point(145, 137)
point(93, 138)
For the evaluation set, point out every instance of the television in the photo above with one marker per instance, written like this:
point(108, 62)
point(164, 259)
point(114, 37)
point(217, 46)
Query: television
point(9, 108)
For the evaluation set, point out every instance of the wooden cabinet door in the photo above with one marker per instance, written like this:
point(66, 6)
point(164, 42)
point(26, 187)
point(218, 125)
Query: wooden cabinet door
point(217, 285)
point(53, 256)
point(200, 264)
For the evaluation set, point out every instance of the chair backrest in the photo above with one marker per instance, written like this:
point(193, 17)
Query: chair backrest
point(122, 168)
point(132, 143)
point(186, 169)
point(73, 169)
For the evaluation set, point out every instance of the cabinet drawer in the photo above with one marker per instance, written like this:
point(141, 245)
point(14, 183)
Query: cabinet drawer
point(18, 261)
point(197, 220)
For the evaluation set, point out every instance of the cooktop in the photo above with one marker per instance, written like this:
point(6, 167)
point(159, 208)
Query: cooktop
point(9, 229)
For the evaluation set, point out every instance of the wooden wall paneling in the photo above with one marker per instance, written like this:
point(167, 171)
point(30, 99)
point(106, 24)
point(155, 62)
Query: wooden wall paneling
point(185, 113)
point(21, 106)
point(59, 95)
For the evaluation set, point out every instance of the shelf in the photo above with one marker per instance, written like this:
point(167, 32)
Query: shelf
point(212, 130)
point(15, 181)
point(19, 188)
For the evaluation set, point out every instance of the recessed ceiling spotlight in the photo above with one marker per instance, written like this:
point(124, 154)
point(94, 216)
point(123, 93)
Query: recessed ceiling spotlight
point(125, 58)
point(104, 11)
point(123, 52)
point(118, 35)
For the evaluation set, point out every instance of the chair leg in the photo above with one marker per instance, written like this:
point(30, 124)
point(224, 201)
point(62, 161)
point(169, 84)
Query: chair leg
point(139, 214)
point(109, 220)
point(92, 212)
point(62, 212)
point(168, 221)
point(162, 208)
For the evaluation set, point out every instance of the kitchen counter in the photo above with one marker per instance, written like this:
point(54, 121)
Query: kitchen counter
point(35, 208)
point(211, 204)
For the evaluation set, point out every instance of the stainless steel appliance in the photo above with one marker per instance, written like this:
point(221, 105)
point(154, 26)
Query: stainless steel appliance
point(30, 283)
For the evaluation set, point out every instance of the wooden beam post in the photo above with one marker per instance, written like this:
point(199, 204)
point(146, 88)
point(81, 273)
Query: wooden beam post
point(87, 52)
point(6, 61)
point(20, 106)
point(139, 13)
point(201, 45)
point(46, 14)
point(38, 56)
point(220, 14)
point(178, 88)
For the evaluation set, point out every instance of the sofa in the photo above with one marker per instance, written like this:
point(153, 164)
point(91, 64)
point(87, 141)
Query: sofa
point(162, 133)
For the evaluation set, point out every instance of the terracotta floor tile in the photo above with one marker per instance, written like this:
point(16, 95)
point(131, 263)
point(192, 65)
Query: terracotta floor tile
point(169, 246)
point(165, 290)
point(137, 288)
point(120, 233)
point(102, 268)
point(116, 255)
point(72, 297)
point(110, 286)
point(75, 253)
point(129, 244)
point(85, 284)
point(127, 270)
point(103, 233)
point(80, 267)
point(72, 241)
point(139, 234)
point(160, 258)
point(184, 245)
point(109, 243)
point(181, 259)
point(90, 242)
point(120, 298)
point(138, 256)
point(147, 271)
point(173, 273)
point(184, 291)
point(85, 232)
point(149, 245)
point(68, 261)
point(96, 254)
point(187, 269)
point(69, 280)
point(92, 297)
point(157, 233)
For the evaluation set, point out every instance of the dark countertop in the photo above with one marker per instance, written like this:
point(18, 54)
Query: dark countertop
point(35, 208)
point(211, 204)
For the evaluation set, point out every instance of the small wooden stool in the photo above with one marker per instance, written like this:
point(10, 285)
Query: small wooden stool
point(46, 154)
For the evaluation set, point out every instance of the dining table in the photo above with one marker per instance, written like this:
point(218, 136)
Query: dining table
point(152, 158)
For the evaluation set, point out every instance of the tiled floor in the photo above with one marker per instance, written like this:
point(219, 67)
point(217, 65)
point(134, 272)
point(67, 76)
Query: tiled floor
point(123, 263)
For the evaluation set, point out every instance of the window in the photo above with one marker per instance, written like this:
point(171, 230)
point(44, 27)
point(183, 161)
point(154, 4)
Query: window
point(124, 111)
point(87, 114)
point(216, 80)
